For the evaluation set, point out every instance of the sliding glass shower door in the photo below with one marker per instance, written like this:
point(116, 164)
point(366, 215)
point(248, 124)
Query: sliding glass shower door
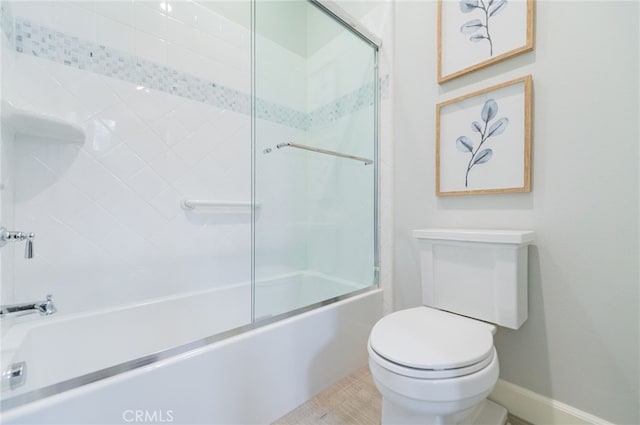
point(314, 158)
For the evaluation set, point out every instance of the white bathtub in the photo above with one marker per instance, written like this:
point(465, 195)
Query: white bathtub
point(253, 377)
point(61, 347)
point(292, 291)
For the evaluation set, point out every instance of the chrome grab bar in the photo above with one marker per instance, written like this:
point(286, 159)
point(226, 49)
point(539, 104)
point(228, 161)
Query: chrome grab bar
point(193, 204)
point(323, 151)
point(45, 308)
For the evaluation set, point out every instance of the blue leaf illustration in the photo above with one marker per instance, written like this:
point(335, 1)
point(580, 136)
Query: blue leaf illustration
point(490, 3)
point(464, 144)
point(467, 6)
point(498, 7)
point(471, 26)
point(486, 131)
point(477, 37)
point(498, 127)
point(484, 156)
point(489, 110)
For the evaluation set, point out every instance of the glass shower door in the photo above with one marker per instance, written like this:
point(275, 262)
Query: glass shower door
point(315, 149)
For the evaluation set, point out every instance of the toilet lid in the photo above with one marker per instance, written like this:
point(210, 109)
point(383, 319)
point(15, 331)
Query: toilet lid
point(426, 338)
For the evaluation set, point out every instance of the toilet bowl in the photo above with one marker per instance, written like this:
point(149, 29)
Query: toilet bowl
point(436, 364)
point(438, 369)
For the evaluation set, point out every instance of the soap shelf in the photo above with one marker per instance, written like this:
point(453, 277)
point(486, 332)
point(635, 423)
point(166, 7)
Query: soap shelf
point(31, 123)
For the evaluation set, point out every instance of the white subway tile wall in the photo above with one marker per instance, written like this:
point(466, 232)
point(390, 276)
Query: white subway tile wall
point(162, 90)
point(107, 213)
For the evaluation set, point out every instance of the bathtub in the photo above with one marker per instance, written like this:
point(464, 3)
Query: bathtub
point(245, 373)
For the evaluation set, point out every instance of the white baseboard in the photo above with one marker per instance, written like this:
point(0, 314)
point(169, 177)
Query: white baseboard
point(538, 409)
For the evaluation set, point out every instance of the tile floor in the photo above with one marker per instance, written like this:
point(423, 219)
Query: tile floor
point(353, 400)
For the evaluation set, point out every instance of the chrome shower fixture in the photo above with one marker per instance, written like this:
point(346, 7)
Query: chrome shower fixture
point(45, 308)
point(11, 236)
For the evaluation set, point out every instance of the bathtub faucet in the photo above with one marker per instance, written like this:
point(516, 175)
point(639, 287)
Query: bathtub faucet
point(45, 308)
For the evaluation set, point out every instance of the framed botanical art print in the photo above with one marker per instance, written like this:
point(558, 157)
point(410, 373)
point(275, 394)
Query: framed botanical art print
point(473, 34)
point(483, 141)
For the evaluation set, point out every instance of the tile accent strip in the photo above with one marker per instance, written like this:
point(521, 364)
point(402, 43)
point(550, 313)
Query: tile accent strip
point(385, 87)
point(343, 105)
point(6, 22)
point(59, 47)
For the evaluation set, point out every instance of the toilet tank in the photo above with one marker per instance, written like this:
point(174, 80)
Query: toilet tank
point(476, 273)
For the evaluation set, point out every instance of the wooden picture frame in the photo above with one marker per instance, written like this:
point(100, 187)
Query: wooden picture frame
point(483, 141)
point(473, 34)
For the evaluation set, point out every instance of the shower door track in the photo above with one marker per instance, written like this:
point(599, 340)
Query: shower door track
point(352, 24)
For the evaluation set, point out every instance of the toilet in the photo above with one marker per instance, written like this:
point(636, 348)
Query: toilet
point(436, 364)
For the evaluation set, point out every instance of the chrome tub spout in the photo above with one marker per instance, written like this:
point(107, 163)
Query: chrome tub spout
point(45, 308)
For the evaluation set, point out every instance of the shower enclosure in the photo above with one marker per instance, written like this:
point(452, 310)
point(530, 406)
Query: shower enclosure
point(315, 123)
point(175, 173)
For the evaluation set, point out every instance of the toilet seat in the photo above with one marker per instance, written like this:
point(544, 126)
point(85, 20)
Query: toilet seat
point(426, 343)
point(430, 373)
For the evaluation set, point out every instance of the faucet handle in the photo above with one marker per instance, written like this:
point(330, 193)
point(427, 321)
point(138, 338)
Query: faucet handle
point(10, 235)
point(51, 307)
point(28, 247)
point(48, 307)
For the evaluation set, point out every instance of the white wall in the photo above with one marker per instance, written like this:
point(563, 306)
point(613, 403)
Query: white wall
point(106, 213)
point(188, 36)
point(580, 344)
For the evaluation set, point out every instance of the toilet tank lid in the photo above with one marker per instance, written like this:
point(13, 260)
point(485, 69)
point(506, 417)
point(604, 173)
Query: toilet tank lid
point(516, 237)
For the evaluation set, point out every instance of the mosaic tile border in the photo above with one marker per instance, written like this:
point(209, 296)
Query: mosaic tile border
point(62, 48)
point(385, 87)
point(6, 22)
point(344, 105)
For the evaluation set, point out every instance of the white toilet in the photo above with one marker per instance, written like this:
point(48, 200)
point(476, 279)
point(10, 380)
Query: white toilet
point(436, 364)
